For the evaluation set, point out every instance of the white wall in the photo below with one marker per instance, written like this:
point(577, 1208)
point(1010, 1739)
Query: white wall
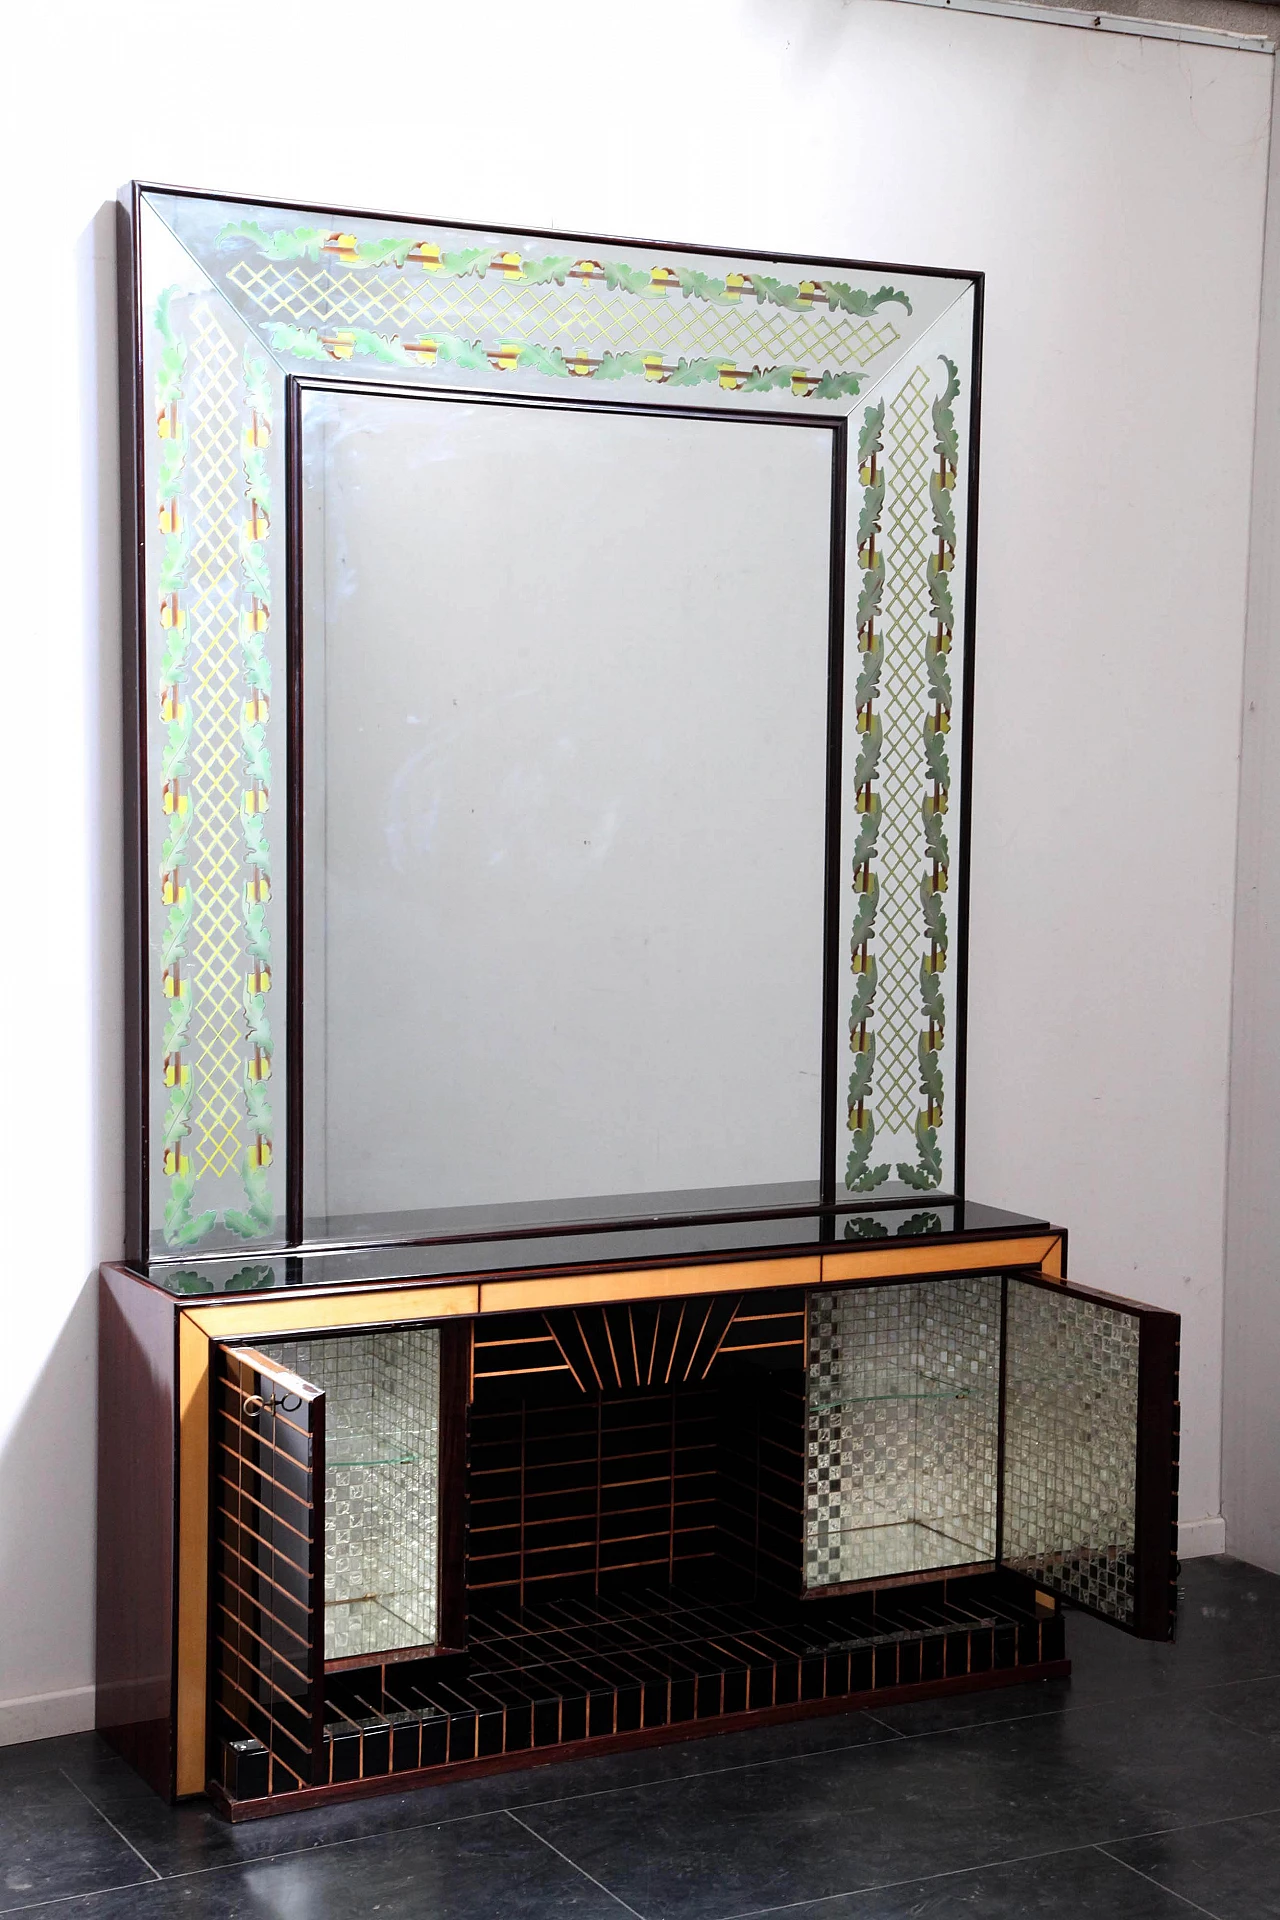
point(1113, 190)
point(1251, 1364)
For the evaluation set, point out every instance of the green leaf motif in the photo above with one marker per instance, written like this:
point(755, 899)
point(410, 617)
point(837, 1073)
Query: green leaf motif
point(176, 927)
point(296, 243)
point(838, 386)
point(871, 593)
point(932, 999)
point(177, 1120)
point(177, 740)
point(872, 658)
point(935, 919)
point(257, 385)
point(701, 286)
point(617, 366)
point(869, 753)
point(180, 1228)
point(864, 993)
point(860, 1077)
point(930, 1071)
point(868, 829)
point(864, 918)
point(869, 517)
point(384, 253)
point(257, 479)
point(865, 1226)
point(935, 837)
point(768, 379)
point(939, 679)
point(631, 279)
point(177, 1026)
point(846, 299)
point(554, 266)
point(467, 260)
point(935, 754)
point(693, 373)
point(927, 1172)
point(253, 565)
point(302, 343)
point(871, 434)
point(536, 359)
point(858, 1176)
point(940, 594)
point(174, 555)
point(257, 1025)
point(173, 457)
point(946, 442)
point(944, 513)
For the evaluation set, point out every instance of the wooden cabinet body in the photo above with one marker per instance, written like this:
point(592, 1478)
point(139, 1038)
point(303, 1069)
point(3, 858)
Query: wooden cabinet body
point(592, 1582)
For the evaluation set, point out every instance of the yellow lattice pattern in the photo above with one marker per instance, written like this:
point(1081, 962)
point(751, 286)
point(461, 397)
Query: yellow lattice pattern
point(215, 506)
point(580, 317)
point(905, 624)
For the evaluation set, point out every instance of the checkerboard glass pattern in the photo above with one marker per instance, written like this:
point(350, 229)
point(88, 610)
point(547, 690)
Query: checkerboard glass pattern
point(382, 1485)
point(903, 1404)
point(1070, 1462)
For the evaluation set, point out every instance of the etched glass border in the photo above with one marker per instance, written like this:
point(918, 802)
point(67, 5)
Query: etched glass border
point(232, 297)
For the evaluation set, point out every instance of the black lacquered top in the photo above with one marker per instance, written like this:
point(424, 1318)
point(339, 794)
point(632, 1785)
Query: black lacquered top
point(632, 1244)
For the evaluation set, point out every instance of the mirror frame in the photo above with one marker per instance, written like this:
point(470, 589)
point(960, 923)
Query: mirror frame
point(229, 308)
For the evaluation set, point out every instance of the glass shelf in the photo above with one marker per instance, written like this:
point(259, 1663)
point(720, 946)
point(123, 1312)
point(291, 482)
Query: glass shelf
point(367, 1450)
point(930, 1390)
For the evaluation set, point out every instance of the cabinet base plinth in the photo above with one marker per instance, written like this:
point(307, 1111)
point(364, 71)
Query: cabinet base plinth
point(602, 1671)
point(236, 1810)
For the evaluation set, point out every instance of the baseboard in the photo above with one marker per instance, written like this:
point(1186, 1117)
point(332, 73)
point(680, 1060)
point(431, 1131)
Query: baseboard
point(1196, 1538)
point(42, 1715)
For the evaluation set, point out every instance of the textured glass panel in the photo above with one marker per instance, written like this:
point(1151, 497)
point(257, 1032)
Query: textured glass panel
point(903, 710)
point(1071, 1436)
point(902, 1429)
point(212, 441)
point(382, 1475)
point(421, 302)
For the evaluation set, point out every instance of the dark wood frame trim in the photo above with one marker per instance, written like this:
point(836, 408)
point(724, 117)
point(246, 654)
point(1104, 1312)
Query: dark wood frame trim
point(1156, 1595)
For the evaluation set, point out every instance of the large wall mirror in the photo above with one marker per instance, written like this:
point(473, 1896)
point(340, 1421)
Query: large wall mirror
point(550, 705)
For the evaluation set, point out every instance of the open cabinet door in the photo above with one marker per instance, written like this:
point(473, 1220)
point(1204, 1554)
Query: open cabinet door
point(1089, 1449)
point(268, 1576)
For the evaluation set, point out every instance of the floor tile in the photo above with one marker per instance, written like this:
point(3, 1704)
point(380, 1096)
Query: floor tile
point(1232, 1867)
point(1083, 1885)
point(52, 1842)
point(1250, 1703)
point(184, 1838)
point(484, 1869)
point(818, 1826)
point(1228, 1629)
point(977, 1709)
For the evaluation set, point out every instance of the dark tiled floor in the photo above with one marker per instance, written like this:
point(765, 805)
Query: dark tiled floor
point(1147, 1787)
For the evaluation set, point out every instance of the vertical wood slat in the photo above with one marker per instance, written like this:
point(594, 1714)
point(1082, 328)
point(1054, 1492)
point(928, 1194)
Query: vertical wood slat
point(267, 1602)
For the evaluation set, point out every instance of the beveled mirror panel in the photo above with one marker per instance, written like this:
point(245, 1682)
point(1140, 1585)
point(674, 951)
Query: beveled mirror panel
point(565, 689)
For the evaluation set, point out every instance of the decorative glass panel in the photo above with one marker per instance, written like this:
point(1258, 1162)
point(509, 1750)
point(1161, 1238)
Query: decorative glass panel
point(902, 1429)
point(241, 310)
point(1071, 1447)
point(382, 1486)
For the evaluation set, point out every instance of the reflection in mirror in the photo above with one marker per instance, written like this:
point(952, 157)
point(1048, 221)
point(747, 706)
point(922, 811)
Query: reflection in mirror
point(565, 716)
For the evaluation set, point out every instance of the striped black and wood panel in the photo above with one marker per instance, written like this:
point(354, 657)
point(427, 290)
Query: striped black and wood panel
point(622, 1670)
point(637, 1441)
point(267, 1611)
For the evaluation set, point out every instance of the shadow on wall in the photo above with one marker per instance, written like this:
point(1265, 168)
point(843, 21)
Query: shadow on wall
point(48, 1457)
point(47, 1534)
